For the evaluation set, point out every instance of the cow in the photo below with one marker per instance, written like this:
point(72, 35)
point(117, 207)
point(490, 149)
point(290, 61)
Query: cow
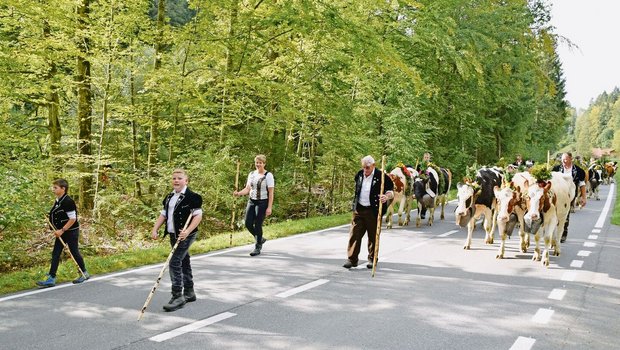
point(402, 177)
point(476, 198)
point(511, 208)
point(595, 177)
point(431, 189)
point(548, 206)
point(610, 172)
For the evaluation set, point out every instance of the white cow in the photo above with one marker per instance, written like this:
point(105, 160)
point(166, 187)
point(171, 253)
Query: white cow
point(548, 205)
point(403, 183)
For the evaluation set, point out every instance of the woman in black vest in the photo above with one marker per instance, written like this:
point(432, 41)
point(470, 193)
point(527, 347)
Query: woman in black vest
point(260, 187)
point(63, 216)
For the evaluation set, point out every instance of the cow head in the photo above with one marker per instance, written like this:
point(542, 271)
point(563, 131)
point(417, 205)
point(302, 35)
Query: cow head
point(466, 197)
point(538, 201)
point(507, 198)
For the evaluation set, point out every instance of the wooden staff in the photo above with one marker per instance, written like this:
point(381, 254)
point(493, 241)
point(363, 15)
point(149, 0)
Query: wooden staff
point(65, 245)
point(234, 208)
point(374, 262)
point(163, 268)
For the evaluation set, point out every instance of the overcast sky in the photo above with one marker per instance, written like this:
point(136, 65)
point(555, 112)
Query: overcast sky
point(594, 26)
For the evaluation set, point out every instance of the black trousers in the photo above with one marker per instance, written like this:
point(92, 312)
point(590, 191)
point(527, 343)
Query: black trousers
point(71, 238)
point(254, 216)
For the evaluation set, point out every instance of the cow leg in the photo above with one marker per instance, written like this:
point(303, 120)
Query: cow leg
point(431, 216)
point(489, 225)
point(502, 233)
point(418, 220)
point(536, 256)
point(443, 205)
point(470, 232)
point(407, 211)
point(524, 237)
point(389, 214)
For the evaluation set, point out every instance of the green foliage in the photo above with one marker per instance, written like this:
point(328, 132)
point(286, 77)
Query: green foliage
point(541, 172)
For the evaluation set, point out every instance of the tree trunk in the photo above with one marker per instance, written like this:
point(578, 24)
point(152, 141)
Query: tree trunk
point(53, 107)
point(84, 110)
point(153, 141)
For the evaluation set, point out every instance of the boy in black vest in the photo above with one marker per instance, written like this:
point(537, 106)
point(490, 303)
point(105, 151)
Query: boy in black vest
point(177, 207)
point(63, 216)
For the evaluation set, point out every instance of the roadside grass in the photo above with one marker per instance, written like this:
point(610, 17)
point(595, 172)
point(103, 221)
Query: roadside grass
point(98, 265)
point(615, 216)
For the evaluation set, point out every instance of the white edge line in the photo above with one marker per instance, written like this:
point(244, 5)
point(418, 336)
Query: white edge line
point(523, 343)
point(302, 288)
point(192, 327)
point(448, 233)
point(601, 218)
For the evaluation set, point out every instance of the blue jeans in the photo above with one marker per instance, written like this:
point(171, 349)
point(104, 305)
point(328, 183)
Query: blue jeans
point(254, 216)
point(180, 267)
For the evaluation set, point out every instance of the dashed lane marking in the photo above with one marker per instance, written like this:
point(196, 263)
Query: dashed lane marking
point(557, 294)
point(576, 263)
point(302, 288)
point(596, 230)
point(589, 244)
point(593, 237)
point(584, 253)
point(543, 316)
point(523, 343)
point(192, 327)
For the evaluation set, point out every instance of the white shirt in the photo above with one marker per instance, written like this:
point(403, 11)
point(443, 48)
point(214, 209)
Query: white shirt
point(253, 179)
point(365, 192)
point(169, 212)
point(570, 171)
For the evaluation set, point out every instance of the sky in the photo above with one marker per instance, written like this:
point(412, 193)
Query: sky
point(594, 26)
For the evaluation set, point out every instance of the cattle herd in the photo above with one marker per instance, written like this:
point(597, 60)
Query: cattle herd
point(539, 207)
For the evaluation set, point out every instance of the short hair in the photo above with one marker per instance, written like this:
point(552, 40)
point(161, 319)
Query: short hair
point(261, 158)
point(368, 160)
point(62, 183)
point(180, 171)
point(569, 154)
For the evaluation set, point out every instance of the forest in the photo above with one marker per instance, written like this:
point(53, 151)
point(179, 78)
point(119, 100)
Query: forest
point(113, 95)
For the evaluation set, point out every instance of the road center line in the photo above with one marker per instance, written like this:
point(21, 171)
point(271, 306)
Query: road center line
point(589, 244)
point(593, 237)
point(584, 253)
point(192, 327)
point(601, 218)
point(557, 294)
point(448, 233)
point(596, 230)
point(576, 263)
point(543, 316)
point(302, 288)
point(523, 343)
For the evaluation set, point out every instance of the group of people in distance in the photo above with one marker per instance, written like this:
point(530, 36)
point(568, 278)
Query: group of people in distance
point(181, 214)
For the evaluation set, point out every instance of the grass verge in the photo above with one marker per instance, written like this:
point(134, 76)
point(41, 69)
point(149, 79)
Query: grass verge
point(97, 265)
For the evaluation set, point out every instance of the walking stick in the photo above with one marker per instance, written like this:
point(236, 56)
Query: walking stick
point(65, 245)
point(234, 208)
point(374, 260)
point(163, 268)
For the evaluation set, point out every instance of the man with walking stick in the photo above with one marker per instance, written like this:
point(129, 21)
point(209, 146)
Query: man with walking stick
point(366, 210)
point(177, 208)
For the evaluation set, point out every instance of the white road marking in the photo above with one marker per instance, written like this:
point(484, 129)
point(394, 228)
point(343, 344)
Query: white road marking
point(593, 237)
point(192, 327)
point(300, 289)
point(448, 233)
point(416, 245)
point(596, 230)
point(601, 219)
point(543, 316)
point(569, 276)
point(523, 343)
point(589, 244)
point(557, 294)
point(576, 263)
point(584, 253)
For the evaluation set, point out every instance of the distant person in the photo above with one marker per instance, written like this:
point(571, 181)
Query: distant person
point(260, 187)
point(178, 205)
point(63, 216)
point(579, 178)
point(518, 161)
point(426, 159)
point(366, 210)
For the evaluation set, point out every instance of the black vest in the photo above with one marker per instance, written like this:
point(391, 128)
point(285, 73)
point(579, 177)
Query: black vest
point(187, 202)
point(58, 213)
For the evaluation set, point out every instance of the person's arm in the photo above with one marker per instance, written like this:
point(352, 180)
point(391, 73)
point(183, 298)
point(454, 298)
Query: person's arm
point(582, 189)
point(269, 206)
point(67, 226)
point(245, 190)
point(196, 219)
point(160, 221)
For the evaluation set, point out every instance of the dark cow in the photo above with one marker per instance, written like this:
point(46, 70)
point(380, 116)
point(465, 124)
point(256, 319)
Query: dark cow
point(477, 198)
point(595, 177)
point(431, 189)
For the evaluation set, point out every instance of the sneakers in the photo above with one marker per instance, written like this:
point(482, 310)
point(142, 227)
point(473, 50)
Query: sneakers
point(48, 282)
point(256, 250)
point(176, 302)
point(81, 278)
point(349, 265)
point(369, 265)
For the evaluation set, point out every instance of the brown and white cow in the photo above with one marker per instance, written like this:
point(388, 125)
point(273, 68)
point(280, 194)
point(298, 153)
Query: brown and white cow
point(511, 208)
point(402, 177)
point(476, 199)
point(595, 178)
point(548, 205)
point(610, 172)
point(429, 194)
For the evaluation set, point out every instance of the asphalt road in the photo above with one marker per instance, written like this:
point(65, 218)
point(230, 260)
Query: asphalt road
point(428, 293)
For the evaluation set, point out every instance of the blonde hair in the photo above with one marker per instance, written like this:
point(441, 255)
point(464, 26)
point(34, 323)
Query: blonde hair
point(181, 171)
point(261, 158)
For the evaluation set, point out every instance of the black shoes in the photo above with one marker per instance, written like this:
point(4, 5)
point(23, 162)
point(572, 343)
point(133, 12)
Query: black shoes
point(189, 294)
point(369, 265)
point(176, 302)
point(258, 247)
point(349, 265)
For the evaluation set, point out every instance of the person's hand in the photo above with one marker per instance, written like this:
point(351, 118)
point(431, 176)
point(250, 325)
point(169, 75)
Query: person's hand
point(268, 212)
point(236, 193)
point(383, 198)
point(154, 235)
point(183, 234)
point(583, 201)
point(58, 233)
